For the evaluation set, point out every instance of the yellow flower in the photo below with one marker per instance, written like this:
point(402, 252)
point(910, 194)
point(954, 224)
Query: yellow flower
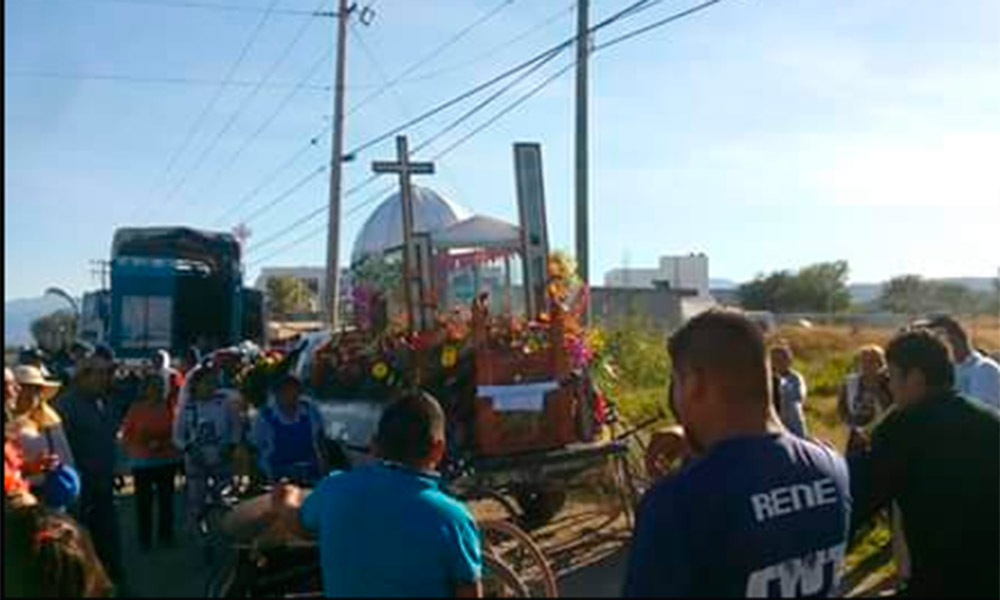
point(380, 370)
point(449, 357)
point(595, 339)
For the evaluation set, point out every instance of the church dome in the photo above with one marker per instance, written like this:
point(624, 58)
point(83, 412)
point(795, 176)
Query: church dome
point(384, 228)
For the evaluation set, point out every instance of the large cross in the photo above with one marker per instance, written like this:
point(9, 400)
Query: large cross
point(404, 168)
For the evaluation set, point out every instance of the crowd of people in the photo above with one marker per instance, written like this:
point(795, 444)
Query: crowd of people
point(65, 443)
point(762, 508)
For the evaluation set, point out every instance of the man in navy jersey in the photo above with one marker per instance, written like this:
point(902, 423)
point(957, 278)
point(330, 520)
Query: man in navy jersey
point(759, 512)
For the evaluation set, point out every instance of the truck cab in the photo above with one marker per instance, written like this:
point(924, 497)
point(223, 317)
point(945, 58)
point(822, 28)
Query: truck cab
point(175, 287)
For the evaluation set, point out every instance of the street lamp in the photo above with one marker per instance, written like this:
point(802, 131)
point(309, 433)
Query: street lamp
point(62, 294)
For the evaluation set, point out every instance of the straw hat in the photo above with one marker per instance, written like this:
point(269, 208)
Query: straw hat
point(30, 375)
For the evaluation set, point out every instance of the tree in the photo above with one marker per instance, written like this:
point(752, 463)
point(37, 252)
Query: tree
point(55, 331)
point(821, 287)
point(904, 294)
point(913, 295)
point(288, 295)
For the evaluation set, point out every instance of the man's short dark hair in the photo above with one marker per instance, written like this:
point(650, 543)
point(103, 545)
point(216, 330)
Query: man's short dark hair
point(950, 326)
point(726, 344)
point(924, 351)
point(408, 428)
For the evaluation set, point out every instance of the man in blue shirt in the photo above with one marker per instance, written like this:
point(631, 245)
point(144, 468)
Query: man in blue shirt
point(759, 512)
point(388, 530)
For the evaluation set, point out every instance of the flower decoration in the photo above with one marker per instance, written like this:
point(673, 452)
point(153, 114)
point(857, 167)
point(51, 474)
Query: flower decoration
point(380, 370)
point(449, 357)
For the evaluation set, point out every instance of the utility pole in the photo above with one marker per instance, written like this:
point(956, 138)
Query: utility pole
point(100, 268)
point(582, 216)
point(336, 164)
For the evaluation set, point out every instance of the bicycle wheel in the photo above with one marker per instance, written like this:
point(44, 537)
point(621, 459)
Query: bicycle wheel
point(500, 581)
point(514, 547)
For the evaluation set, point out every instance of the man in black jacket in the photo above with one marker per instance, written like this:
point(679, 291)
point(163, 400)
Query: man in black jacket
point(938, 457)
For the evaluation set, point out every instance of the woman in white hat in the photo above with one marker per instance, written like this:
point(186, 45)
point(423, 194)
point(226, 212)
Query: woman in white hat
point(38, 426)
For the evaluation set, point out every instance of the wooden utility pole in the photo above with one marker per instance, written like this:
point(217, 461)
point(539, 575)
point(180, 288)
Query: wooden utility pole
point(582, 209)
point(404, 168)
point(336, 164)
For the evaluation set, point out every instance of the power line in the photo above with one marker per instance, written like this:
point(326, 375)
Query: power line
point(656, 24)
point(629, 10)
point(315, 232)
point(404, 113)
point(208, 6)
point(271, 177)
point(312, 215)
point(432, 54)
point(247, 142)
point(506, 110)
point(218, 93)
point(487, 54)
point(485, 102)
point(139, 79)
point(281, 250)
point(286, 194)
point(243, 105)
point(320, 209)
point(544, 56)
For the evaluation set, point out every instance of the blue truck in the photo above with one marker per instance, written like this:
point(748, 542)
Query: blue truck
point(173, 288)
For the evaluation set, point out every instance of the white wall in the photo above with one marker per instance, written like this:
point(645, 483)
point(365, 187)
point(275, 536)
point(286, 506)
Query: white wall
point(682, 272)
point(631, 278)
point(686, 272)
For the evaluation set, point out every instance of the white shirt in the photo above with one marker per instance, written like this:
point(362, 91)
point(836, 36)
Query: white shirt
point(978, 376)
point(793, 394)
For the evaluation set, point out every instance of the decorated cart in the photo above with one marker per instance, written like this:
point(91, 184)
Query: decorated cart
point(478, 313)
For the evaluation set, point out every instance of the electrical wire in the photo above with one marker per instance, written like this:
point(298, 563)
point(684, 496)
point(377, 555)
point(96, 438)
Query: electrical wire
point(206, 6)
point(230, 74)
point(271, 177)
point(138, 79)
point(496, 117)
point(249, 140)
point(487, 54)
point(629, 10)
point(286, 194)
point(432, 54)
point(544, 56)
point(247, 100)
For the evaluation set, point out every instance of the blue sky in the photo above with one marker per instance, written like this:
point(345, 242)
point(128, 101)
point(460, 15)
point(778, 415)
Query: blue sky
point(767, 133)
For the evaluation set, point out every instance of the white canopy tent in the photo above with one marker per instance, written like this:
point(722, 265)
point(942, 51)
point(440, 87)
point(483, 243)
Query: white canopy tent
point(478, 232)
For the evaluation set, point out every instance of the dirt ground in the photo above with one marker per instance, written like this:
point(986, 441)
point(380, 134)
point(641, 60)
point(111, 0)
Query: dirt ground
point(585, 543)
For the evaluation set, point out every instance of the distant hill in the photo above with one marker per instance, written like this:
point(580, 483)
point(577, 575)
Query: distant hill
point(863, 293)
point(18, 315)
point(722, 284)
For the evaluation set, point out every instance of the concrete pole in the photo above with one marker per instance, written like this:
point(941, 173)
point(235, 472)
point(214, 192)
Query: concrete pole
point(336, 164)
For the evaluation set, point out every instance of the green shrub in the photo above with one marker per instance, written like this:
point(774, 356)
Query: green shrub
point(825, 374)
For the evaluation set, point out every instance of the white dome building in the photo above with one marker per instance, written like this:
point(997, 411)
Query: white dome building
point(384, 228)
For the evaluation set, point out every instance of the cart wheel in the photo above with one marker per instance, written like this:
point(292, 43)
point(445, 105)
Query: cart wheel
point(539, 504)
point(500, 581)
point(509, 543)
